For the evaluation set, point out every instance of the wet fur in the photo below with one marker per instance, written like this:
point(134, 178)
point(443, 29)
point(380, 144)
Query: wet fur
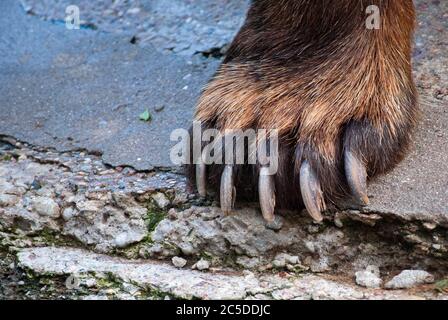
point(311, 69)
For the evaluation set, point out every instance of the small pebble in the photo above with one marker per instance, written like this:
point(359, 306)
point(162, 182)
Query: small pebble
point(161, 200)
point(202, 265)
point(338, 223)
point(179, 262)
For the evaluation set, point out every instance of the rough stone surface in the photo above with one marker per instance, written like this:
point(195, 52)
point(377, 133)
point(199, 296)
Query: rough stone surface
point(107, 224)
point(100, 207)
point(320, 248)
point(184, 283)
point(409, 279)
point(113, 210)
point(248, 263)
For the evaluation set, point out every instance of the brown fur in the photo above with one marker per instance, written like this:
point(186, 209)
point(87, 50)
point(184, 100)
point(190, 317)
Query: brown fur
point(311, 69)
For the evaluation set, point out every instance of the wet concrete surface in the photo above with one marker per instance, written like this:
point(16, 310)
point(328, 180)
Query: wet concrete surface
point(81, 89)
point(85, 89)
point(418, 187)
point(185, 27)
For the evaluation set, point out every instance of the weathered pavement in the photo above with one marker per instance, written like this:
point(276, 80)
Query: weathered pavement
point(72, 200)
point(81, 93)
point(74, 89)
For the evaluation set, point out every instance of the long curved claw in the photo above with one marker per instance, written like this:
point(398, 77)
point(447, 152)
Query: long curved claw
point(228, 190)
point(311, 192)
point(266, 188)
point(356, 174)
point(201, 179)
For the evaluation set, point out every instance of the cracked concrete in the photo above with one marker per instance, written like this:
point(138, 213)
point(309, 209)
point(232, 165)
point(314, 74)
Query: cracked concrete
point(77, 195)
point(81, 89)
point(72, 200)
point(180, 26)
point(79, 169)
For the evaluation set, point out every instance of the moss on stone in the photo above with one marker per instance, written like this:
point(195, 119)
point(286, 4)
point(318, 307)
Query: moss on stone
point(442, 286)
point(207, 256)
point(154, 216)
point(152, 293)
point(133, 251)
point(6, 157)
point(55, 238)
point(109, 281)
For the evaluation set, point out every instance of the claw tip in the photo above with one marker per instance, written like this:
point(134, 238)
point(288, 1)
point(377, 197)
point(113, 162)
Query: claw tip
point(365, 200)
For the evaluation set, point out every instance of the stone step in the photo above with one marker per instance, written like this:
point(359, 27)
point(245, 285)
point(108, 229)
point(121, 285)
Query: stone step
point(72, 198)
point(188, 284)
